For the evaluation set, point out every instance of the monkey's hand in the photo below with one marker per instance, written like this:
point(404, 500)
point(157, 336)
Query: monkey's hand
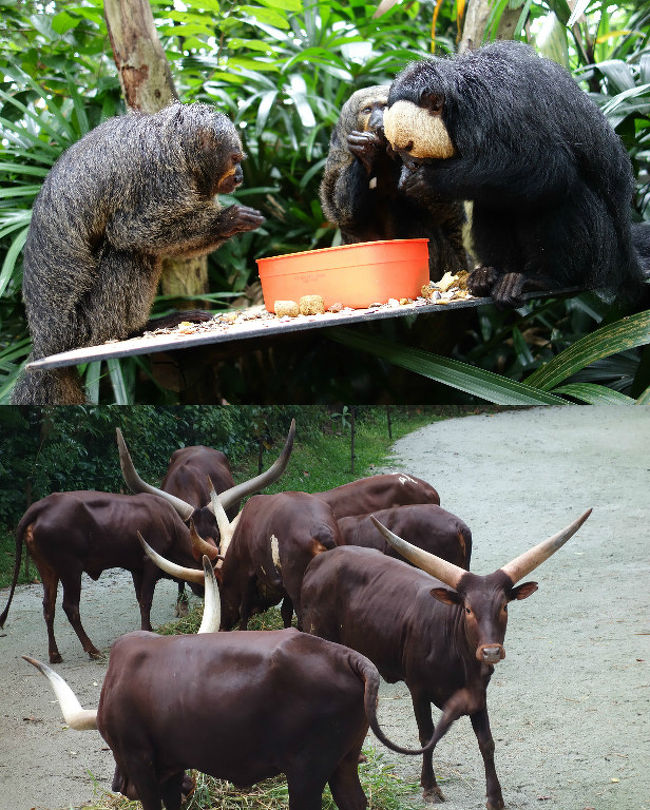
point(414, 181)
point(365, 146)
point(481, 280)
point(237, 219)
point(173, 320)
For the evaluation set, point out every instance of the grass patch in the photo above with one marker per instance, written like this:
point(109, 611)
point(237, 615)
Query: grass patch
point(189, 625)
point(384, 789)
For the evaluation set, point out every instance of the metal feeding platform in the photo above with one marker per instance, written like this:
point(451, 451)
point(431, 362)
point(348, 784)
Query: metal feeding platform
point(254, 323)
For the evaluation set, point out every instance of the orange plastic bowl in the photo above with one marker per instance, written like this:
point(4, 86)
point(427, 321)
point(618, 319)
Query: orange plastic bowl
point(355, 275)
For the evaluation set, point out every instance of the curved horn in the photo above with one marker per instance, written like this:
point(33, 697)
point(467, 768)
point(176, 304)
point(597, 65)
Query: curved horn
point(136, 484)
point(211, 620)
point(174, 570)
point(226, 528)
point(230, 496)
point(446, 572)
point(201, 547)
point(74, 716)
point(529, 560)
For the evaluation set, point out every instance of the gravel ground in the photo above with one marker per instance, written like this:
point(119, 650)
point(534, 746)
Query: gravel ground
point(568, 706)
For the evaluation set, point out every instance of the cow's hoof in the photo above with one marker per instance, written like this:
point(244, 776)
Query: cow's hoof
point(433, 795)
point(95, 655)
point(182, 610)
point(495, 805)
point(55, 658)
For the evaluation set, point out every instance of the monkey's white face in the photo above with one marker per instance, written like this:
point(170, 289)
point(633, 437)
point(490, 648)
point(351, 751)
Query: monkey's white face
point(417, 132)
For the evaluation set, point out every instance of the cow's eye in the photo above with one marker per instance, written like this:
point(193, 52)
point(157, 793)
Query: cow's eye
point(468, 611)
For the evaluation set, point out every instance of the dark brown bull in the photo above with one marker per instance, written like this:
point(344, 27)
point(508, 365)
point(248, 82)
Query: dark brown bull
point(378, 492)
point(192, 472)
point(242, 706)
point(426, 525)
point(444, 648)
point(68, 533)
point(274, 540)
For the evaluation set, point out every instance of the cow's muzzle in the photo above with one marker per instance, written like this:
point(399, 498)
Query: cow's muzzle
point(490, 653)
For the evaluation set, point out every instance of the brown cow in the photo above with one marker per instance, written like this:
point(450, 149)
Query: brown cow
point(242, 706)
point(68, 533)
point(191, 474)
point(444, 648)
point(274, 540)
point(427, 525)
point(378, 492)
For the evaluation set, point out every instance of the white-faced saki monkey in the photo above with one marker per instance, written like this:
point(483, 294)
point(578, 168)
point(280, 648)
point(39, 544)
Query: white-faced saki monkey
point(550, 180)
point(359, 190)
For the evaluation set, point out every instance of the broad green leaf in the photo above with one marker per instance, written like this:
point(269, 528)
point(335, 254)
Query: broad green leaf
point(475, 381)
point(64, 22)
point(594, 394)
point(644, 398)
point(561, 9)
point(10, 259)
point(284, 5)
point(627, 333)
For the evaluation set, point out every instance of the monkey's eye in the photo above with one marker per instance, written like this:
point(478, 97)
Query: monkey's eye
point(434, 102)
point(366, 110)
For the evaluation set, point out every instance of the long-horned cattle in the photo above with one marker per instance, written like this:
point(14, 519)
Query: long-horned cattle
point(265, 552)
point(69, 533)
point(440, 629)
point(426, 525)
point(378, 492)
point(241, 706)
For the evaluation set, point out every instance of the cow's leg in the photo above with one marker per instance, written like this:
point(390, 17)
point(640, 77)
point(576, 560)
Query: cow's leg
point(182, 602)
point(50, 582)
point(143, 782)
point(426, 728)
point(148, 579)
point(345, 785)
point(305, 790)
point(286, 611)
point(171, 791)
point(481, 726)
point(248, 593)
point(71, 596)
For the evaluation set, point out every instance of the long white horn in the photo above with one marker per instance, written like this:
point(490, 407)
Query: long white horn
point(174, 570)
point(136, 484)
point(211, 621)
point(226, 528)
point(445, 571)
point(74, 716)
point(230, 496)
point(525, 563)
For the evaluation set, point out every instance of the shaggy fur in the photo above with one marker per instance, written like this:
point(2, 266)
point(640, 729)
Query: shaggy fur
point(134, 189)
point(550, 180)
point(359, 189)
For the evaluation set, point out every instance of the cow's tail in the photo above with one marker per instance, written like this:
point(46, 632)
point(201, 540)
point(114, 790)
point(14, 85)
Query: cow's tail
point(73, 714)
point(368, 672)
point(25, 520)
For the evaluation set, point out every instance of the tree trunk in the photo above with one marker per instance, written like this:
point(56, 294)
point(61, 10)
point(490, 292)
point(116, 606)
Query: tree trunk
point(476, 19)
point(148, 86)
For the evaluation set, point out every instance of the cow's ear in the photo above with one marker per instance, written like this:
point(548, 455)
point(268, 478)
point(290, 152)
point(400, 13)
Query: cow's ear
point(446, 596)
point(522, 591)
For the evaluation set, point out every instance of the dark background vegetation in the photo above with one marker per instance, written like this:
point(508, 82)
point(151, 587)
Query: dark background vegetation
point(44, 450)
point(281, 69)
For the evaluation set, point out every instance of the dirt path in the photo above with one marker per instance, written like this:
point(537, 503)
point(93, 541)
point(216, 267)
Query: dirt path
point(568, 706)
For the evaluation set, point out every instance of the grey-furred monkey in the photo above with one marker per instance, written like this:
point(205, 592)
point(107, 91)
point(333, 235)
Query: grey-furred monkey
point(360, 191)
point(133, 190)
